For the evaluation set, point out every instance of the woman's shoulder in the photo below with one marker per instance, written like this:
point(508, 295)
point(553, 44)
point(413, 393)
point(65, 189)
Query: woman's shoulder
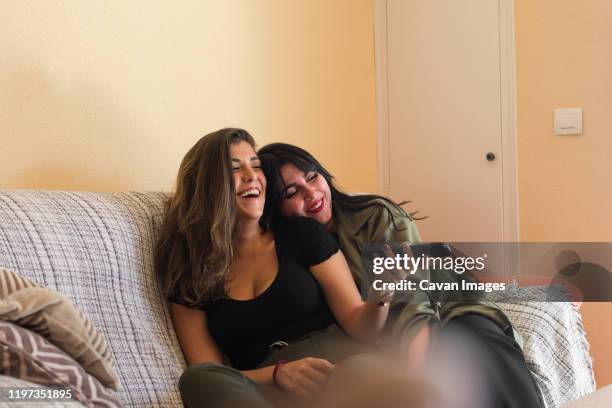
point(294, 222)
point(380, 221)
point(296, 225)
point(305, 238)
point(391, 214)
point(377, 212)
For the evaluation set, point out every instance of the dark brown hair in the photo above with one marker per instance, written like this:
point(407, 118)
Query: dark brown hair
point(273, 156)
point(194, 249)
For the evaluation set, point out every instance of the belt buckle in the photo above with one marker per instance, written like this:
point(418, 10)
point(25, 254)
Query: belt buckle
point(276, 347)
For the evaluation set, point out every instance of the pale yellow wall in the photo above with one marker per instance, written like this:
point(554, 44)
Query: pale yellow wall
point(564, 59)
point(109, 95)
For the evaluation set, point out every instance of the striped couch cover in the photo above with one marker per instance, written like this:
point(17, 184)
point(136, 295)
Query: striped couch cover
point(97, 249)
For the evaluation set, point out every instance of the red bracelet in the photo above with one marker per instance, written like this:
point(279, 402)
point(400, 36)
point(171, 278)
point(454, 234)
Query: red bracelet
point(276, 367)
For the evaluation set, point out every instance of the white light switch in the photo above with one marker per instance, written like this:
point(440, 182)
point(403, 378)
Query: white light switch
point(568, 121)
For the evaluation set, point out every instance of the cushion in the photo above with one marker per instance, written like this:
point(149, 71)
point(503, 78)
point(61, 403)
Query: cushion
point(55, 317)
point(31, 357)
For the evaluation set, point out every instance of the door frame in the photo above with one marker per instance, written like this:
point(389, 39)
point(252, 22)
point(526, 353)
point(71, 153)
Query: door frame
point(510, 210)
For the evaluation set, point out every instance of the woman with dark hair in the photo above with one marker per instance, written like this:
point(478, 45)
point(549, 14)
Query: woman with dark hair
point(298, 185)
point(240, 288)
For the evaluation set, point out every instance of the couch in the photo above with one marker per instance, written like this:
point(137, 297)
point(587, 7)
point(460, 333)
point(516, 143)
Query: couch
point(97, 248)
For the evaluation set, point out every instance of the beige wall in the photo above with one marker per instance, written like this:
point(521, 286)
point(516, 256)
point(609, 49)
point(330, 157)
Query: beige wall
point(110, 95)
point(564, 59)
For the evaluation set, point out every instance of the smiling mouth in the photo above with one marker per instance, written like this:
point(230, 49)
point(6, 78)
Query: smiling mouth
point(250, 193)
point(317, 208)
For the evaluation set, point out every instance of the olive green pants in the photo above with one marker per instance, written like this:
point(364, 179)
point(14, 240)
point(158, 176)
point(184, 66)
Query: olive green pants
point(470, 347)
point(218, 385)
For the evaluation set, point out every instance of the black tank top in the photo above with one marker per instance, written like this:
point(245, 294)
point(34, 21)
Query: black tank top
point(290, 307)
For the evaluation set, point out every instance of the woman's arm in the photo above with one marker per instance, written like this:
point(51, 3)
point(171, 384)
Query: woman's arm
point(192, 331)
point(300, 377)
point(382, 228)
point(198, 345)
point(361, 320)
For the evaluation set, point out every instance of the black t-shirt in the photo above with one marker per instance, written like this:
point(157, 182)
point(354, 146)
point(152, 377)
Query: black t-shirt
point(291, 306)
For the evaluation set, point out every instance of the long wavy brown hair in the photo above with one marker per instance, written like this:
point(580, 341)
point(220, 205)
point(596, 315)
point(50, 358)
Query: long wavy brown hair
point(194, 249)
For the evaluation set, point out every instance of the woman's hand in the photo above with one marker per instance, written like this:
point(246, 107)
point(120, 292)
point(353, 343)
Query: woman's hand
point(361, 320)
point(303, 377)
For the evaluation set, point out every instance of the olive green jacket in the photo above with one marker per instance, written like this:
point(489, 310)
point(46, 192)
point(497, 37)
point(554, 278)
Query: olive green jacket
point(374, 225)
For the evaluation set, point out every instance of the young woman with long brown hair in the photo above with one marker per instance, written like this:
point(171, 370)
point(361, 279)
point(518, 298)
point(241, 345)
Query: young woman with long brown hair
point(239, 288)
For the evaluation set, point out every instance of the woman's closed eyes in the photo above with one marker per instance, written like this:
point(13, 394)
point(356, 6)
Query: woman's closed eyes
point(291, 191)
point(256, 166)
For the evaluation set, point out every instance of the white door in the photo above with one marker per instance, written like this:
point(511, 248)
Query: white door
point(444, 111)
